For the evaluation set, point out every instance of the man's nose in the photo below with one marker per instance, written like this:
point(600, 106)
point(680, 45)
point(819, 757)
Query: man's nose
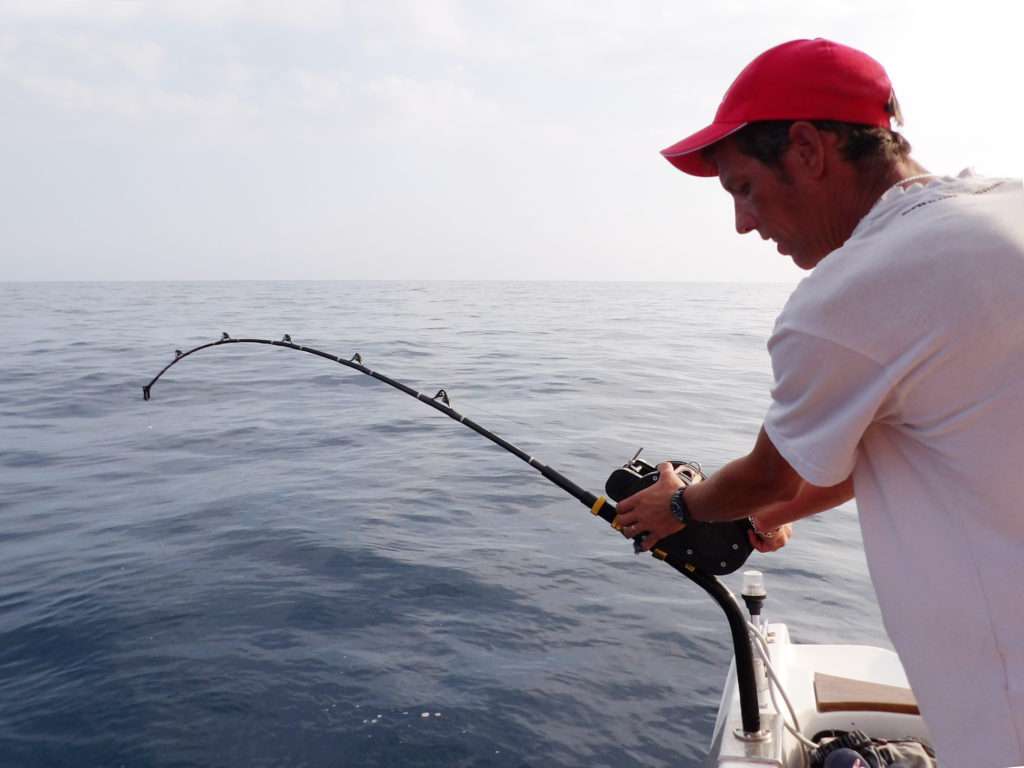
point(744, 221)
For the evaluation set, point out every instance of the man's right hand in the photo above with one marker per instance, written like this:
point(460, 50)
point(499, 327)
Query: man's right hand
point(772, 543)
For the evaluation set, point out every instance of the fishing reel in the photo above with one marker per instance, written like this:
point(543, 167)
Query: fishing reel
point(715, 548)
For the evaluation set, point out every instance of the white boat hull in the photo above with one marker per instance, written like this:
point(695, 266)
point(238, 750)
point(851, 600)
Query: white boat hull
point(796, 665)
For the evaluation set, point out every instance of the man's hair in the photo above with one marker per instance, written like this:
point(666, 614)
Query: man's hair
point(871, 149)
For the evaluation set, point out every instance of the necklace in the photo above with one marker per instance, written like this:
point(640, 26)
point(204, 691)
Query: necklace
point(904, 181)
point(885, 194)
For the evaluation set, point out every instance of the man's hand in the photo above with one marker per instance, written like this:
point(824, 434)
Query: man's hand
point(649, 511)
point(778, 539)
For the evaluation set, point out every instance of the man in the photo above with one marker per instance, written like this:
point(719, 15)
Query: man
point(899, 377)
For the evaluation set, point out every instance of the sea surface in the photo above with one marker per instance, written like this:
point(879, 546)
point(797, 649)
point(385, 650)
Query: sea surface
point(278, 561)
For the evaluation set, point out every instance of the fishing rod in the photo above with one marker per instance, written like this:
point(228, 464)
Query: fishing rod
point(700, 551)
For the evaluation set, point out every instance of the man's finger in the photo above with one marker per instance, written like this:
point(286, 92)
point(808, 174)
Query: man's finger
point(626, 519)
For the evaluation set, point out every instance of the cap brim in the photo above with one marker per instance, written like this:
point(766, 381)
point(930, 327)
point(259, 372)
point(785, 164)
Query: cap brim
point(687, 155)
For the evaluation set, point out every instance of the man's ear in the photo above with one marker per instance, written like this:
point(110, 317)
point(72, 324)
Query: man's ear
point(807, 149)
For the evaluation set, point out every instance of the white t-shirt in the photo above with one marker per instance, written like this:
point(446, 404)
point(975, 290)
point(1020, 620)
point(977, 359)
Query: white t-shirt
point(900, 359)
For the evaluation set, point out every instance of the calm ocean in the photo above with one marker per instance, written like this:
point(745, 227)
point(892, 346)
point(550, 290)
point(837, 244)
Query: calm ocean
point(281, 562)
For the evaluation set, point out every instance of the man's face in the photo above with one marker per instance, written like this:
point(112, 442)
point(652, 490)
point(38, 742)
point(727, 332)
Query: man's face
point(774, 203)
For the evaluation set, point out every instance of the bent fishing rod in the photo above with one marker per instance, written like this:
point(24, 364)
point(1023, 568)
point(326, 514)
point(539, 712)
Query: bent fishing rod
point(700, 551)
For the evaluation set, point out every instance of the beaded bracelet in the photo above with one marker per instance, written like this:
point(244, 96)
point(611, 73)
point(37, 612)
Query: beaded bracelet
point(763, 534)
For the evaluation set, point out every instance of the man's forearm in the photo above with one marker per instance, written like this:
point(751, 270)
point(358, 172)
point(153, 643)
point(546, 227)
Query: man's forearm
point(738, 490)
point(762, 484)
point(810, 500)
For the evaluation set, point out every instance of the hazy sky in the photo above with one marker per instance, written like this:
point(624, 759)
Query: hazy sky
point(222, 139)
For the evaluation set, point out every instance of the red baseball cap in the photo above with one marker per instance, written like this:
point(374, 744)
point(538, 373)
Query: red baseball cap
point(799, 80)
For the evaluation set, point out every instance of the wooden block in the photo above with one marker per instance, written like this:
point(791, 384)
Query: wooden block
point(839, 694)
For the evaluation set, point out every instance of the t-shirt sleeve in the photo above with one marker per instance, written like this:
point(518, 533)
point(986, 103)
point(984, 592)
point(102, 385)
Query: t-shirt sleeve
point(824, 398)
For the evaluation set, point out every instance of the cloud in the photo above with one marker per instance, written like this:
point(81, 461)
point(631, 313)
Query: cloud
point(536, 121)
point(421, 108)
point(298, 13)
point(319, 92)
point(91, 72)
point(134, 103)
point(52, 10)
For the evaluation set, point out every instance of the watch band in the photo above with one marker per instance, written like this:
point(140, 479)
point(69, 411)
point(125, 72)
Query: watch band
point(680, 511)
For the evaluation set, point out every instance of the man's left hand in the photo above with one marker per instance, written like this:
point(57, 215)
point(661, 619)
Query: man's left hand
point(649, 511)
point(779, 538)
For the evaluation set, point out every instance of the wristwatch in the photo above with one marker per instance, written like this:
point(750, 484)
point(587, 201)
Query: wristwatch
point(680, 511)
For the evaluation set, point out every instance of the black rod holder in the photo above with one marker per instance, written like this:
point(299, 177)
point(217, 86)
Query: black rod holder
point(745, 679)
